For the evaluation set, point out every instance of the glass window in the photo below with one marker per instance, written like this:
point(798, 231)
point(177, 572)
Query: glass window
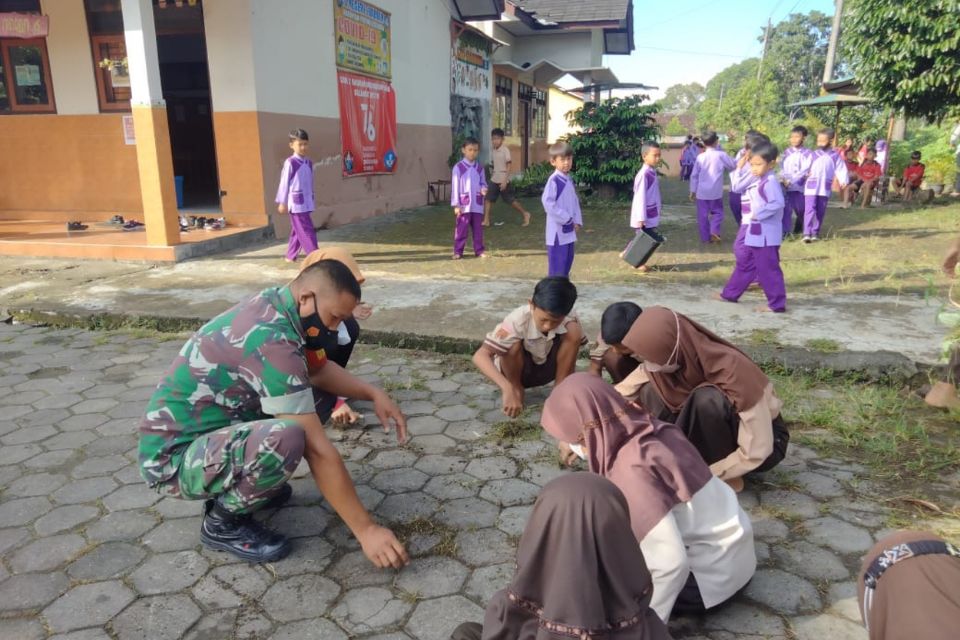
point(25, 76)
point(503, 105)
point(109, 50)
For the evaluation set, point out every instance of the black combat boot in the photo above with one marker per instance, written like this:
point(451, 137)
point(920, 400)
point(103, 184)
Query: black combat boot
point(241, 535)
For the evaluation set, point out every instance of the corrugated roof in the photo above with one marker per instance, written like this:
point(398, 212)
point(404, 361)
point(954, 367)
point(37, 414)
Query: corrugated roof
point(560, 11)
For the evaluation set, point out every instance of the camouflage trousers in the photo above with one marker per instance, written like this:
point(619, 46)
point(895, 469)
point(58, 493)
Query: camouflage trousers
point(243, 465)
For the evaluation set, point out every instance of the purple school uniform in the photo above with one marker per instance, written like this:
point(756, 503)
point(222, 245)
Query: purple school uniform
point(794, 167)
point(706, 183)
point(740, 179)
point(757, 248)
point(646, 207)
point(824, 165)
point(563, 214)
point(466, 182)
point(296, 191)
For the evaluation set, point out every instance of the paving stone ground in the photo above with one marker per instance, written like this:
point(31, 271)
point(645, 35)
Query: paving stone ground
point(87, 550)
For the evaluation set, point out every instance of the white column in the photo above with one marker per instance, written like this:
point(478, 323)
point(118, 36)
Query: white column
point(142, 57)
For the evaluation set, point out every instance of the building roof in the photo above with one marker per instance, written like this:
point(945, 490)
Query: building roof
point(574, 11)
point(832, 99)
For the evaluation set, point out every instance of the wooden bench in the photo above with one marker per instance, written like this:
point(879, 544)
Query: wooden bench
point(438, 192)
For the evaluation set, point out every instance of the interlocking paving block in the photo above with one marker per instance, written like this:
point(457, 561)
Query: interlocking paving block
point(22, 510)
point(47, 553)
point(299, 597)
point(369, 609)
point(106, 561)
point(122, 525)
point(484, 546)
point(157, 618)
point(436, 619)
point(468, 513)
point(783, 592)
point(432, 576)
point(316, 629)
point(31, 590)
point(64, 518)
point(492, 468)
point(838, 535)
point(88, 605)
point(168, 572)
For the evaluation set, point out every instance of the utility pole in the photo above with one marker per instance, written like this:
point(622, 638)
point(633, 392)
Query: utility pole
point(763, 54)
point(720, 105)
point(834, 38)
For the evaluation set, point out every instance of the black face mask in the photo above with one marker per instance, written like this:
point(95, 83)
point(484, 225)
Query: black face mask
point(316, 334)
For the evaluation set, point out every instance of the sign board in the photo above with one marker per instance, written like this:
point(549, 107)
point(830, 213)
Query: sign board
point(362, 38)
point(24, 25)
point(368, 125)
point(471, 73)
point(129, 134)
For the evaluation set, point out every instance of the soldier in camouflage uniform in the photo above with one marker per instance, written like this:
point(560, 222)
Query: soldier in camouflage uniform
point(234, 415)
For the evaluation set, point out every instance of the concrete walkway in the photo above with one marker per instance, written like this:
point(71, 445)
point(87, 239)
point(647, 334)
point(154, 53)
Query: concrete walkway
point(86, 549)
point(460, 308)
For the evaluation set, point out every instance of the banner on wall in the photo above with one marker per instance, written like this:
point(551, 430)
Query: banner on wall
point(362, 37)
point(24, 25)
point(368, 125)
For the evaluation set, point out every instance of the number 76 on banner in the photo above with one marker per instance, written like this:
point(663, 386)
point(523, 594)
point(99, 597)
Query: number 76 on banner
point(368, 127)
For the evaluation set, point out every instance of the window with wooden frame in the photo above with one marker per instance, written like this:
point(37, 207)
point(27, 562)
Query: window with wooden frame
point(25, 85)
point(109, 50)
point(503, 105)
point(539, 117)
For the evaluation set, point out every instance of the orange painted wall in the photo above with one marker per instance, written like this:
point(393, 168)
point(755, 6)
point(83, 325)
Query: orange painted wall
point(61, 163)
point(240, 168)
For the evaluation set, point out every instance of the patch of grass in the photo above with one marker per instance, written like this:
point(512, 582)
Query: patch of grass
point(767, 337)
point(826, 345)
point(515, 430)
point(888, 429)
point(446, 544)
point(792, 520)
point(779, 479)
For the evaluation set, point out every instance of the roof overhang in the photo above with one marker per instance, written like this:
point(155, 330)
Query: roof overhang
point(546, 72)
point(832, 100)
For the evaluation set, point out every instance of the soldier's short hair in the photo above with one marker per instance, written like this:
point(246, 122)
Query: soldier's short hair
point(336, 273)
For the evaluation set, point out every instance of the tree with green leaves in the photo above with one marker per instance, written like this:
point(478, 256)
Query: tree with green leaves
point(606, 150)
point(796, 54)
point(906, 55)
point(682, 97)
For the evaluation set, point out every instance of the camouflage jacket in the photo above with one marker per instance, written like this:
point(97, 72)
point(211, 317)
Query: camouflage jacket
point(246, 363)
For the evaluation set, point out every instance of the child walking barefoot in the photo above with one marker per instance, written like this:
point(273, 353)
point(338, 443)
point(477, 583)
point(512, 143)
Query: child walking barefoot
point(757, 248)
point(295, 196)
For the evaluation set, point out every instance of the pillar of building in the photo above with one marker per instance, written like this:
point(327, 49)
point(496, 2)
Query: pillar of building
point(154, 157)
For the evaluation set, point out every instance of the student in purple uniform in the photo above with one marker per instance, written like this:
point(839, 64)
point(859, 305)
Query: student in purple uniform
point(646, 207)
point(825, 164)
point(295, 196)
point(794, 167)
point(468, 187)
point(563, 211)
point(706, 187)
point(741, 175)
point(757, 248)
point(686, 158)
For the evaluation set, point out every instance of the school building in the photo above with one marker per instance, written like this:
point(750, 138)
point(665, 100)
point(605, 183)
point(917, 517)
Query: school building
point(122, 107)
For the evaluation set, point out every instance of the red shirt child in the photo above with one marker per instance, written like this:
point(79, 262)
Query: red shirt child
point(870, 170)
point(913, 174)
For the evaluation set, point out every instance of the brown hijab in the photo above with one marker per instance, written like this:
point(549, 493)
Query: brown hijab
point(917, 597)
point(664, 337)
point(650, 461)
point(334, 253)
point(580, 572)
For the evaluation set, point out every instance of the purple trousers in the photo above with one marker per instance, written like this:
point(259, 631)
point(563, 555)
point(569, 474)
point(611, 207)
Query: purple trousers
point(814, 210)
point(466, 222)
point(736, 206)
point(710, 218)
point(760, 264)
point(685, 171)
point(793, 204)
point(560, 259)
point(303, 237)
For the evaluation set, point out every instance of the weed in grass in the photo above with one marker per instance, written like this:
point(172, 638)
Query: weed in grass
point(446, 544)
point(825, 345)
point(515, 430)
point(766, 337)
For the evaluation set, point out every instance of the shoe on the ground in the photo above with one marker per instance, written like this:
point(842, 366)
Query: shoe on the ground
point(133, 225)
point(814, 238)
point(76, 226)
point(807, 239)
point(241, 535)
point(215, 224)
point(117, 219)
point(199, 222)
point(184, 223)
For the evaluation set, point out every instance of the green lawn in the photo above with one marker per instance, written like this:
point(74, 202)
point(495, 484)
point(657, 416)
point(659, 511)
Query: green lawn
point(894, 249)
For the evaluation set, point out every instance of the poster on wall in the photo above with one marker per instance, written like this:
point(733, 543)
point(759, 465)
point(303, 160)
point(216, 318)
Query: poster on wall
point(362, 37)
point(470, 73)
point(368, 125)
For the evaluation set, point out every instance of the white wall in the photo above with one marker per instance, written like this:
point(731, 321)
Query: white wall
point(227, 24)
point(295, 71)
point(71, 58)
point(572, 50)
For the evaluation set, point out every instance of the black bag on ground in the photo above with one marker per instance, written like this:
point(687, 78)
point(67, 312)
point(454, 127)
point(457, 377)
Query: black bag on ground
point(642, 247)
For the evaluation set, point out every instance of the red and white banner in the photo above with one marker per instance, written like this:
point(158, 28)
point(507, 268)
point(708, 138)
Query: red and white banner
point(368, 125)
point(24, 25)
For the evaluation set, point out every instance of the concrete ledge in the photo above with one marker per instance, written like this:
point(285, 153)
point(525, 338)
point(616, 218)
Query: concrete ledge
point(884, 367)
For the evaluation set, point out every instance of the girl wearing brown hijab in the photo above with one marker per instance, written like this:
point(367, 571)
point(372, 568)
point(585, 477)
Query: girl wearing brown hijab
point(697, 541)
point(909, 587)
point(330, 406)
point(719, 398)
point(580, 573)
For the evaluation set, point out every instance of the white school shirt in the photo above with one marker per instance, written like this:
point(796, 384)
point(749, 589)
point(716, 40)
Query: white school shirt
point(711, 537)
